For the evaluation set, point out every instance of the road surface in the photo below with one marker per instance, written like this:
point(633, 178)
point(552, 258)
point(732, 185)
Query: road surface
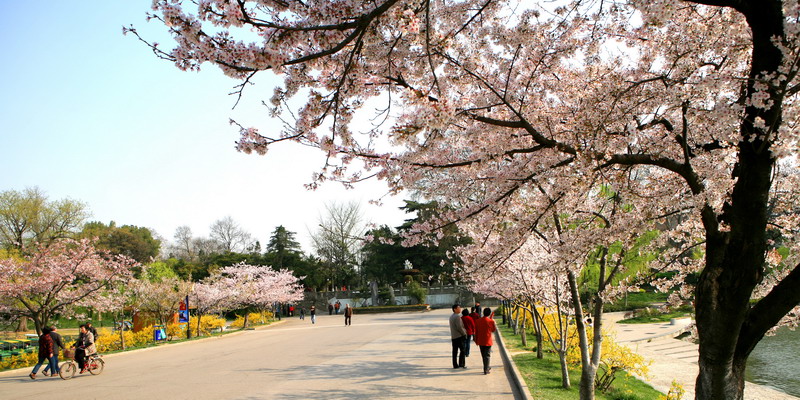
point(380, 356)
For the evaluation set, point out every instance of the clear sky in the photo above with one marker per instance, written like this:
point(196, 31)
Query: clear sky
point(93, 115)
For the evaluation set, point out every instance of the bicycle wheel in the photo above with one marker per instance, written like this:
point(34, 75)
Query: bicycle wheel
point(67, 370)
point(96, 366)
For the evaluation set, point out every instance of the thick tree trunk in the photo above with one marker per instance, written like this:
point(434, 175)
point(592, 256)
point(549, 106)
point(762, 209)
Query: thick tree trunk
point(727, 326)
point(22, 326)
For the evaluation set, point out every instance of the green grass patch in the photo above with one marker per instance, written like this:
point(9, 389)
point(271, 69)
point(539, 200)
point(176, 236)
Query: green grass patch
point(543, 376)
point(636, 301)
point(656, 316)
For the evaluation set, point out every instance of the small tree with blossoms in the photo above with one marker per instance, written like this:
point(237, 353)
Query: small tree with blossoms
point(527, 280)
point(58, 277)
point(260, 286)
point(687, 109)
point(215, 294)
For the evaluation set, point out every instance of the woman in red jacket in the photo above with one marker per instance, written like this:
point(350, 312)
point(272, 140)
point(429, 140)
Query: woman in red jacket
point(469, 326)
point(484, 327)
point(46, 352)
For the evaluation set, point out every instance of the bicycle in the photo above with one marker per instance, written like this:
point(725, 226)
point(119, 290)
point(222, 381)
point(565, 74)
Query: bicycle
point(94, 364)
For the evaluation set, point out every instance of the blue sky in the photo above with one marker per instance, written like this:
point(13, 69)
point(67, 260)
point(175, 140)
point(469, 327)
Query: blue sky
point(93, 115)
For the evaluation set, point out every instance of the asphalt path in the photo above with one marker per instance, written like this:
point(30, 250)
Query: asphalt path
point(380, 356)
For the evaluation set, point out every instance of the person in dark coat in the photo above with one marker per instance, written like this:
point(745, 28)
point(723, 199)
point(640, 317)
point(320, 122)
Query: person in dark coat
point(58, 345)
point(348, 315)
point(45, 353)
point(458, 335)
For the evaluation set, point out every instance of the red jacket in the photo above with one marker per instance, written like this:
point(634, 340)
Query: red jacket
point(469, 324)
point(483, 331)
point(45, 345)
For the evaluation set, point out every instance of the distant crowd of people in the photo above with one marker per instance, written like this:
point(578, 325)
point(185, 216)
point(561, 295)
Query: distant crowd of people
point(332, 308)
point(465, 327)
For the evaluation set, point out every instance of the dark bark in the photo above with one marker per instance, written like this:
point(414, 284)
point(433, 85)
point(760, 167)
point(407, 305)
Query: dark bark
point(728, 329)
point(537, 329)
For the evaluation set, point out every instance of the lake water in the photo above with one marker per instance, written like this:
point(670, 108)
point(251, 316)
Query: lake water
point(775, 362)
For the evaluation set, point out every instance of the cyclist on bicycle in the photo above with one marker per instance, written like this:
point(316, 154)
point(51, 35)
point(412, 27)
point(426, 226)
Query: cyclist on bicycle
point(84, 347)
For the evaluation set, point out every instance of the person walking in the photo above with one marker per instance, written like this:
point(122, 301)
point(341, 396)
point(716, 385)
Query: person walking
point(302, 313)
point(313, 312)
point(330, 309)
point(469, 326)
point(348, 315)
point(477, 308)
point(484, 327)
point(58, 345)
point(337, 306)
point(458, 337)
point(45, 353)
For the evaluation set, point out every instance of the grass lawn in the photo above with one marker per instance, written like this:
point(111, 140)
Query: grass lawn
point(635, 301)
point(653, 318)
point(543, 377)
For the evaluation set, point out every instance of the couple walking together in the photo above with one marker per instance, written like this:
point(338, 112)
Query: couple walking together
point(460, 332)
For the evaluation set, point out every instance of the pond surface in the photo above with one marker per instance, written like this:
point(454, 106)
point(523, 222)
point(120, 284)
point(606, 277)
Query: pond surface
point(775, 362)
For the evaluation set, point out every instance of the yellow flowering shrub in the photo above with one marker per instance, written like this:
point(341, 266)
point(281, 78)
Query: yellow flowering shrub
point(207, 324)
point(253, 319)
point(175, 331)
point(676, 392)
point(22, 360)
point(614, 357)
point(111, 341)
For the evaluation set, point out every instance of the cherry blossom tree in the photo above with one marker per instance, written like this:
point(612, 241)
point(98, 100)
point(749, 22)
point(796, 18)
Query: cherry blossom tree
point(160, 298)
point(58, 277)
point(214, 294)
point(527, 278)
point(260, 286)
point(687, 109)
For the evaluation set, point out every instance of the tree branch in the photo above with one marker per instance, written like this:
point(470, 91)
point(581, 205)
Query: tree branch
point(768, 312)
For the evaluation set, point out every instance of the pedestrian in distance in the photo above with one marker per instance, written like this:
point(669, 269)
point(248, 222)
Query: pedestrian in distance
point(58, 345)
point(348, 315)
point(469, 326)
point(313, 312)
point(330, 309)
point(46, 352)
point(458, 337)
point(337, 306)
point(484, 327)
point(302, 313)
point(477, 308)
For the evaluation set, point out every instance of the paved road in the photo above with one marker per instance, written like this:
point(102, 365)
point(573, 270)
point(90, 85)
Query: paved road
point(381, 356)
